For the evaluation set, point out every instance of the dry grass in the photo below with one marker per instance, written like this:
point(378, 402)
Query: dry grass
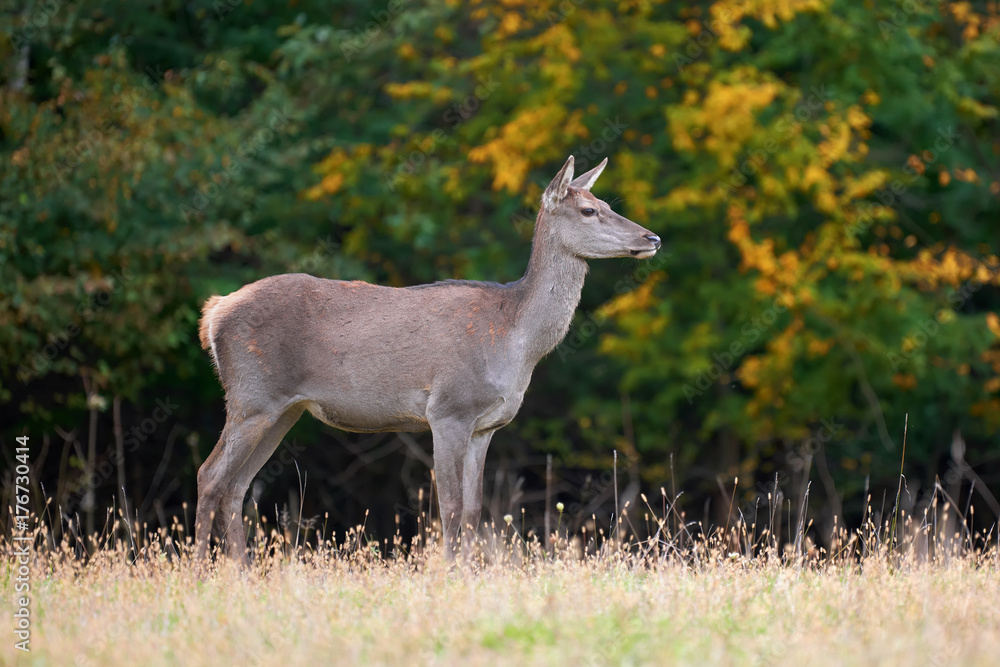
point(666, 600)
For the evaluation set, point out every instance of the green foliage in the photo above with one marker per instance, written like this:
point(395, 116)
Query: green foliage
point(824, 175)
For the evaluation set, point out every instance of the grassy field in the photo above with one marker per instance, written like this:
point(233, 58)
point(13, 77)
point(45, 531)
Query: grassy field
point(640, 605)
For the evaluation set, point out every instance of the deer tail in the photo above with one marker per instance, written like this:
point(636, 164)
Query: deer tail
point(205, 325)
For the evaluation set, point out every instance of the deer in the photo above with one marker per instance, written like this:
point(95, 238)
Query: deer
point(454, 357)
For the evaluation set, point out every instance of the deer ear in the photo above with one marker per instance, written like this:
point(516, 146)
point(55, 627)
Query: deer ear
point(559, 187)
point(586, 181)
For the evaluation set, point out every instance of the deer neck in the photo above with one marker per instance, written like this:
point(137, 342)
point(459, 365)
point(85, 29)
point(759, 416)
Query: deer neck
point(548, 293)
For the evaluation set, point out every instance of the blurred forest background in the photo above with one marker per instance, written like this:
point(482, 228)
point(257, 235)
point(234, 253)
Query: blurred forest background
point(825, 175)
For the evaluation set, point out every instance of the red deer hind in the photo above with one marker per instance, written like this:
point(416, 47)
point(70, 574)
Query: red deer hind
point(454, 357)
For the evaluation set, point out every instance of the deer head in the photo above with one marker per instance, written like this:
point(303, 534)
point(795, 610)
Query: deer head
point(585, 225)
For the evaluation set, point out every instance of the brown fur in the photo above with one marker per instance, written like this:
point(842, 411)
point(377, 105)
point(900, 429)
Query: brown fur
point(206, 318)
point(216, 310)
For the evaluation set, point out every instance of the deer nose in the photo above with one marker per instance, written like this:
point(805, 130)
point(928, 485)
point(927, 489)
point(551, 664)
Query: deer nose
point(654, 239)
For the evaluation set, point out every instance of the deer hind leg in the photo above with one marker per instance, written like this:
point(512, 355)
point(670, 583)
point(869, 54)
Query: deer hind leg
point(233, 530)
point(451, 443)
point(209, 494)
point(218, 473)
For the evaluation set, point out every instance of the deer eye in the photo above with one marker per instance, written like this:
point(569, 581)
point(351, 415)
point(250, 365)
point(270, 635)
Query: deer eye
point(588, 212)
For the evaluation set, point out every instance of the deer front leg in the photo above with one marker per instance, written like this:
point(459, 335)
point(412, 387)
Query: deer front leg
point(472, 489)
point(451, 444)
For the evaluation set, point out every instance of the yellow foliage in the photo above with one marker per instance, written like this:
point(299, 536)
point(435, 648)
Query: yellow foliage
point(789, 262)
point(726, 15)
point(819, 348)
point(511, 23)
point(739, 230)
point(765, 286)
point(639, 299)
point(960, 10)
point(685, 196)
point(726, 115)
point(805, 296)
point(865, 184)
point(526, 136)
point(785, 270)
point(749, 371)
point(993, 324)
point(826, 202)
point(558, 43)
point(781, 345)
point(444, 34)
point(836, 146)
point(989, 271)
point(952, 268)
point(978, 109)
point(760, 256)
point(417, 90)
point(814, 174)
point(334, 167)
point(857, 118)
point(681, 139)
